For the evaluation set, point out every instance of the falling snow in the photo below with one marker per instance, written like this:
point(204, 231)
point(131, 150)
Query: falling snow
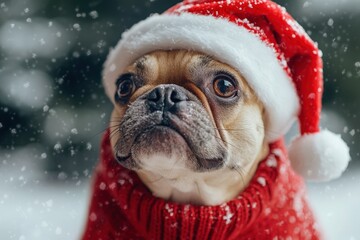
point(94, 14)
point(74, 131)
point(54, 112)
point(77, 27)
point(352, 132)
point(46, 108)
point(57, 146)
point(88, 146)
point(93, 217)
point(330, 22)
point(102, 186)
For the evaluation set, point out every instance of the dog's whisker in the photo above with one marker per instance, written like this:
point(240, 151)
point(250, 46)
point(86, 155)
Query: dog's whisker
point(114, 128)
point(96, 134)
point(113, 134)
point(113, 131)
point(100, 132)
point(227, 143)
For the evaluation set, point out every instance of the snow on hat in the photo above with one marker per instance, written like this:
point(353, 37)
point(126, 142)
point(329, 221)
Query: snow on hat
point(269, 48)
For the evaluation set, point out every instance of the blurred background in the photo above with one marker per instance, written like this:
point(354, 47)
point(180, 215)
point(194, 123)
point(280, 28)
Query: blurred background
point(53, 109)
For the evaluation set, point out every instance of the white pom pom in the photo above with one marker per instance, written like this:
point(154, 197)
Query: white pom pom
point(320, 156)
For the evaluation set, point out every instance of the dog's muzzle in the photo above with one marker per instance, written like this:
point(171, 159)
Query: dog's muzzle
point(161, 112)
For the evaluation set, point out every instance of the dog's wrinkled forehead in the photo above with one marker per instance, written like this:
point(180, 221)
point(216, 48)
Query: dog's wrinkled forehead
point(179, 67)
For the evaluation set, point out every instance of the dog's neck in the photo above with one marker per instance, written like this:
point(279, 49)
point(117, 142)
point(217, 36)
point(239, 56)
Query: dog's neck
point(211, 188)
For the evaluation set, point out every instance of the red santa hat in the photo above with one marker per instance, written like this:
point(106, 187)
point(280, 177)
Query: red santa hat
point(269, 48)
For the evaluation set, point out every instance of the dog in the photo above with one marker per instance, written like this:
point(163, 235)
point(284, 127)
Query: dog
point(202, 97)
point(190, 130)
point(190, 127)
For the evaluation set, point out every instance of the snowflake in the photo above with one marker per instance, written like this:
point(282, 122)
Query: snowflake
point(271, 162)
point(261, 181)
point(228, 216)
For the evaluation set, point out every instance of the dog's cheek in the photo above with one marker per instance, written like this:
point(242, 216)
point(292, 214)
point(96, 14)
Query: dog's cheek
point(246, 135)
point(114, 124)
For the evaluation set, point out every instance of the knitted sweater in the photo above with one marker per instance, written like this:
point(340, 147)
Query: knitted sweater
point(273, 206)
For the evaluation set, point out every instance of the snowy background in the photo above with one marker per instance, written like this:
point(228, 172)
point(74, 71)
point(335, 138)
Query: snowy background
point(53, 109)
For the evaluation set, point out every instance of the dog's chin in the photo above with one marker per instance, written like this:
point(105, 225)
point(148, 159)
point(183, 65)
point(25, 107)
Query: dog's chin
point(164, 150)
point(161, 147)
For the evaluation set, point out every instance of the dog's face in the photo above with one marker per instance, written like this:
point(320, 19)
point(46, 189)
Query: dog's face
point(189, 125)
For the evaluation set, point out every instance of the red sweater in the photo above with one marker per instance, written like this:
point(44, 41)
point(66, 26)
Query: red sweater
point(273, 206)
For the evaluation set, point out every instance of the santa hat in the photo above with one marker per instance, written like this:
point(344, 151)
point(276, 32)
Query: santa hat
point(269, 48)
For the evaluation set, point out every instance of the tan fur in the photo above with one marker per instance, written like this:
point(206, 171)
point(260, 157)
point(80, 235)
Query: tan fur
point(240, 127)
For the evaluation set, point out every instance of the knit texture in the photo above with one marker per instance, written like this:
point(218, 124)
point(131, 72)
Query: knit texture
point(273, 206)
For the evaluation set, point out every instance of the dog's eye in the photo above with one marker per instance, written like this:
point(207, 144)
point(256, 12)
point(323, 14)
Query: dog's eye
point(126, 87)
point(224, 87)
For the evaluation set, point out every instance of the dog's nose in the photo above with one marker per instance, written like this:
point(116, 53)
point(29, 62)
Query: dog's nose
point(165, 98)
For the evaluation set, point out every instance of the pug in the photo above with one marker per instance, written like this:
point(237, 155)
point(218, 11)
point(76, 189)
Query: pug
point(190, 127)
